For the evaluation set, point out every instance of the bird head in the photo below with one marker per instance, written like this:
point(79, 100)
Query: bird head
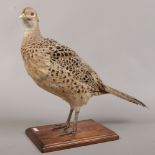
point(29, 18)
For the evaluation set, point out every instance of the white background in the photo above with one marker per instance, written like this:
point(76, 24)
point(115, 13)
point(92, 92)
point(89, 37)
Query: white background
point(117, 38)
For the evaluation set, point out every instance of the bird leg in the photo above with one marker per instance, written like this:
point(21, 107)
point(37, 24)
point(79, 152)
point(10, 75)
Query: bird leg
point(65, 125)
point(73, 130)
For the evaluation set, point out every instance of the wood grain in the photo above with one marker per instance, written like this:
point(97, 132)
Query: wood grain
point(89, 132)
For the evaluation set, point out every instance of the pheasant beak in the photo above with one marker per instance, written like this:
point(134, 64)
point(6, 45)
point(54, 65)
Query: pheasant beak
point(22, 16)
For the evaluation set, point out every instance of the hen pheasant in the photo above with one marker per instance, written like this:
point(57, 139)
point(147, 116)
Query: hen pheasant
point(60, 71)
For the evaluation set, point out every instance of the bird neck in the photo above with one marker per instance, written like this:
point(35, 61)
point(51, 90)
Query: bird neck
point(32, 32)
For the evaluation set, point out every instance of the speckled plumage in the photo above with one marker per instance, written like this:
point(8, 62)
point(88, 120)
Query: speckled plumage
point(59, 70)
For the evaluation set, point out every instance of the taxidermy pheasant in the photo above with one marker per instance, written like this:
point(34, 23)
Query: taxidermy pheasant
point(59, 70)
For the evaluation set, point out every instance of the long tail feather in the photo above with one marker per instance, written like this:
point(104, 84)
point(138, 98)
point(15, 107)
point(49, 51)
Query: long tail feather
point(123, 96)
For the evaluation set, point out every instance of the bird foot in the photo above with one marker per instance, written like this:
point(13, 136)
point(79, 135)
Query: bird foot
point(61, 126)
point(69, 131)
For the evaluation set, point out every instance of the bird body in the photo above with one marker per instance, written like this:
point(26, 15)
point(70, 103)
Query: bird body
point(56, 74)
point(59, 70)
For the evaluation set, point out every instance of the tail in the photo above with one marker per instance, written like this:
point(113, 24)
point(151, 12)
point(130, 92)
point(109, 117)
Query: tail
point(123, 96)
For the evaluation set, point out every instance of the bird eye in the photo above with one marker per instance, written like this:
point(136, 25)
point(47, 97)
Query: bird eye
point(32, 13)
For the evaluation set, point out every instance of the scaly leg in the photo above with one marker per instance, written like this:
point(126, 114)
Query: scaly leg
point(69, 118)
point(67, 124)
point(73, 130)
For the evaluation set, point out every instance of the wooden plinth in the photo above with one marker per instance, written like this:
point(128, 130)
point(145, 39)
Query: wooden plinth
point(89, 132)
